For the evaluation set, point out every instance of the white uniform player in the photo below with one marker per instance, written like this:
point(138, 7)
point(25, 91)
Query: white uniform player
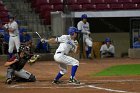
point(67, 44)
point(107, 49)
point(83, 27)
point(12, 28)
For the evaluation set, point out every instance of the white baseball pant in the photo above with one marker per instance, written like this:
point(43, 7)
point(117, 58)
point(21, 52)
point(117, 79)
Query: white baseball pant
point(64, 60)
point(14, 41)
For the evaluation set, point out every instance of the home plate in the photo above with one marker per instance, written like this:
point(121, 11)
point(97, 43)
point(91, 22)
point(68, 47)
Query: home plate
point(75, 84)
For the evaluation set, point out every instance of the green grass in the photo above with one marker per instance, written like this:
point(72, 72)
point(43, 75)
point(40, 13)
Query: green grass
point(120, 70)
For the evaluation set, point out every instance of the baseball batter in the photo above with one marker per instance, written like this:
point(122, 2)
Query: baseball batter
point(83, 27)
point(67, 44)
point(12, 28)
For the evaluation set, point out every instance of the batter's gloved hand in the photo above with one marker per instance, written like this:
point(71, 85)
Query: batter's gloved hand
point(44, 40)
point(33, 59)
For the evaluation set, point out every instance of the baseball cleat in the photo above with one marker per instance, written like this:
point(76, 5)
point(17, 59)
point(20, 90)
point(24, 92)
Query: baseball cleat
point(56, 82)
point(8, 81)
point(73, 80)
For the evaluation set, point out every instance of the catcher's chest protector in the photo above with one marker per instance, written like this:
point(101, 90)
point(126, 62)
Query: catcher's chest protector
point(19, 64)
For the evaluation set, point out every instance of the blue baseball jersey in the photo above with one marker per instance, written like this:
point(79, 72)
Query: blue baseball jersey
point(136, 44)
point(6, 37)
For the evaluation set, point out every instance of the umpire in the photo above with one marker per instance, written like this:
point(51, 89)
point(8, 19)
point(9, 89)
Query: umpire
point(15, 71)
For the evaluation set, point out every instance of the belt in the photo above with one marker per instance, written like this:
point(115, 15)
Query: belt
point(60, 53)
point(14, 36)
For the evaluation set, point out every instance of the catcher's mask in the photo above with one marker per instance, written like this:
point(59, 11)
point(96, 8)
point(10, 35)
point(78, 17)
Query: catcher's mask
point(24, 49)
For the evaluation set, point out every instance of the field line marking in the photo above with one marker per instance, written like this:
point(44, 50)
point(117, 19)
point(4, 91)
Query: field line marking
point(108, 89)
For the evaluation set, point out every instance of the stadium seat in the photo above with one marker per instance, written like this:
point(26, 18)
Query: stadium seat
point(70, 2)
point(38, 3)
point(45, 8)
point(3, 14)
point(116, 6)
point(43, 14)
point(58, 7)
point(102, 7)
point(97, 1)
point(129, 6)
point(138, 6)
point(47, 18)
point(75, 7)
point(3, 9)
point(111, 1)
point(88, 7)
point(55, 2)
point(5, 20)
point(1, 4)
point(136, 1)
point(83, 1)
point(124, 1)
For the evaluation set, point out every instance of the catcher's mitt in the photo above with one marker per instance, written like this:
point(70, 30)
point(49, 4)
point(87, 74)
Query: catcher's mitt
point(33, 59)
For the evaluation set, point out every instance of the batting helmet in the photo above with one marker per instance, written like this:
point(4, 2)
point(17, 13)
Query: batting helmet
point(84, 16)
point(107, 39)
point(72, 30)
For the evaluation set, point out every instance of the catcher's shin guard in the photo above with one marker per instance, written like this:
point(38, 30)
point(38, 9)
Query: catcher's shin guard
point(32, 78)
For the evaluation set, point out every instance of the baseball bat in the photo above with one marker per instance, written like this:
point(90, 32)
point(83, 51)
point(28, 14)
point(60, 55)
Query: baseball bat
point(38, 35)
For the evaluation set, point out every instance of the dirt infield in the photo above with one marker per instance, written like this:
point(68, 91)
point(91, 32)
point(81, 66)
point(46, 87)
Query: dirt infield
point(46, 71)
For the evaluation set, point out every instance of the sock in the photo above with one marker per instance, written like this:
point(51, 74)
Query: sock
point(59, 75)
point(87, 54)
point(89, 50)
point(73, 71)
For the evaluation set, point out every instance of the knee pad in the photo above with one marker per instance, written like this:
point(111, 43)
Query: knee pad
point(32, 78)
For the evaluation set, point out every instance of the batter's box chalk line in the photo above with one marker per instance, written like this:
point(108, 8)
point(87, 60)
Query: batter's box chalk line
point(93, 84)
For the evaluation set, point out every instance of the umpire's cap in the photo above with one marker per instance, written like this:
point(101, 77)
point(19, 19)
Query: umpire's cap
point(84, 16)
point(72, 30)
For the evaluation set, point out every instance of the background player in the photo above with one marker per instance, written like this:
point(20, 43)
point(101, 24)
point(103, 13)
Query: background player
point(15, 65)
point(25, 38)
point(12, 28)
point(83, 27)
point(107, 50)
point(67, 44)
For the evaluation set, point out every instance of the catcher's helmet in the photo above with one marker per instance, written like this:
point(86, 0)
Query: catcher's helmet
point(72, 30)
point(21, 48)
point(24, 48)
point(108, 40)
point(84, 16)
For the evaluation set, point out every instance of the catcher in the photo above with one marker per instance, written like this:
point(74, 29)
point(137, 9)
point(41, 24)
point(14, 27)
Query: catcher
point(15, 71)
